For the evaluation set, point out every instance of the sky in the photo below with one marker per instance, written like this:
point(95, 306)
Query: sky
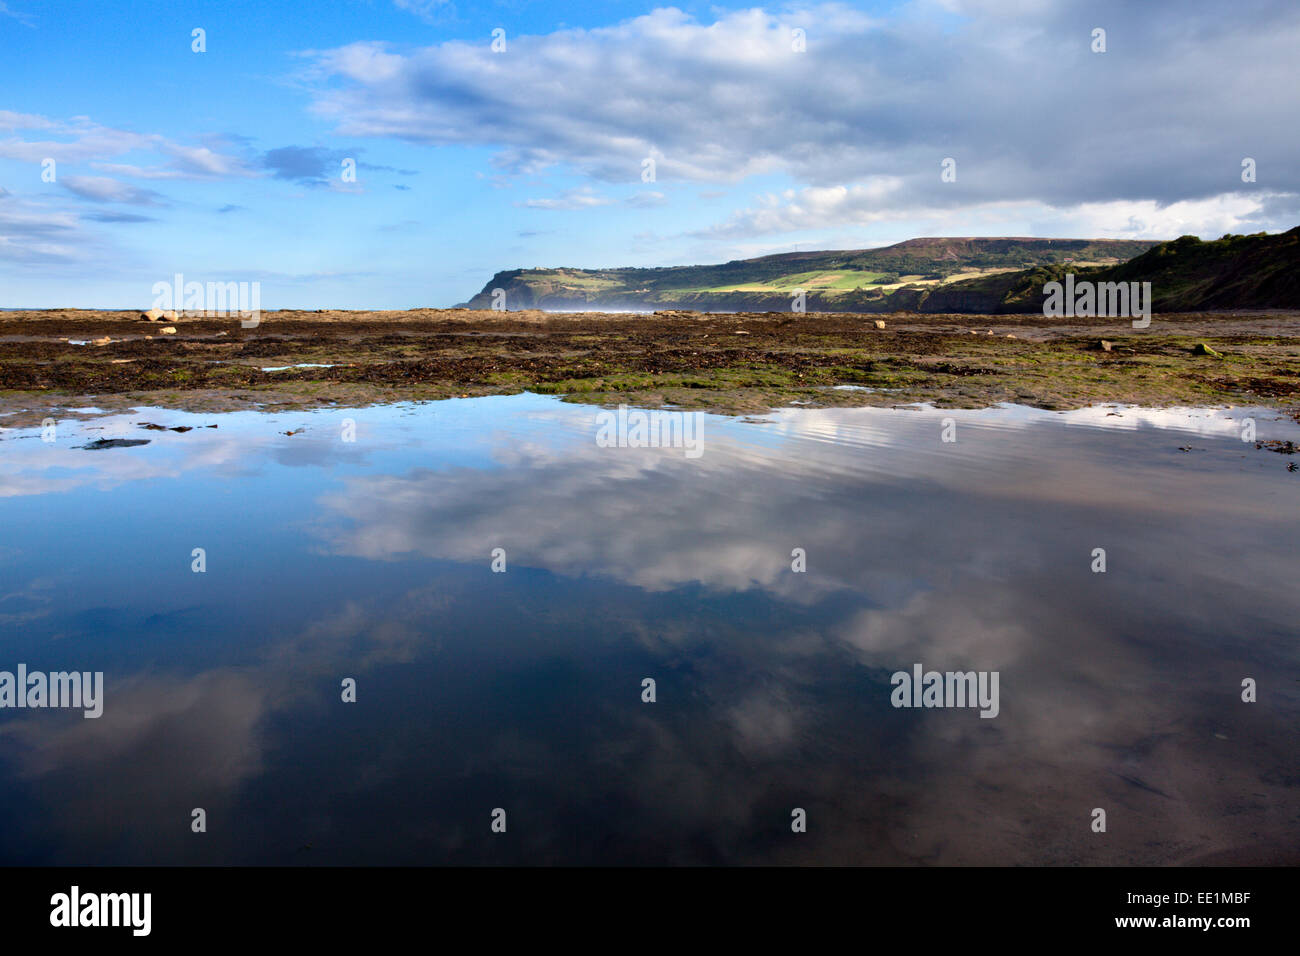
point(397, 153)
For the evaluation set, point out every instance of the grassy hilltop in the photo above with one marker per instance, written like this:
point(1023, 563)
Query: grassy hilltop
point(979, 276)
point(1258, 271)
point(855, 280)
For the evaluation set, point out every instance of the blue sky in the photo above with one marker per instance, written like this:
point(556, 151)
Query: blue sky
point(227, 165)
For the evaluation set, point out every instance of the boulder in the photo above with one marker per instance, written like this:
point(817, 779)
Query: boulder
point(880, 323)
point(168, 330)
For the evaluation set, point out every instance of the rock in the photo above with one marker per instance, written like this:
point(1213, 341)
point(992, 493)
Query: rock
point(170, 315)
point(1010, 336)
point(99, 443)
point(1202, 349)
point(105, 340)
point(153, 315)
point(168, 330)
point(1104, 345)
point(880, 323)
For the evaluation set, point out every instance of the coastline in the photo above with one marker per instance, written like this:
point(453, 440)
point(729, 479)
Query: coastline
point(732, 363)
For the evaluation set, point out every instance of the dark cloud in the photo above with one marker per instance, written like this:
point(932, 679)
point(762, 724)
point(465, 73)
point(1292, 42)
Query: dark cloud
point(388, 169)
point(306, 165)
point(1021, 102)
point(118, 217)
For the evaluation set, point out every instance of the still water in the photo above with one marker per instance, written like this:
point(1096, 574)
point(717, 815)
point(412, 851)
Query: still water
point(522, 690)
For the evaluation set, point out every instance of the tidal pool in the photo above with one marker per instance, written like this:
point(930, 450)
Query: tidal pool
point(228, 581)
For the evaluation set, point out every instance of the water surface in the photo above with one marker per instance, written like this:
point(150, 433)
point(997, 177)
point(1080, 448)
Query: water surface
point(371, 559)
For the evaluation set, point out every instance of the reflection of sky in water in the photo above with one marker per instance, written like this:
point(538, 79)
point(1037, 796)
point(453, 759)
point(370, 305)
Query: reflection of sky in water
point(521, 690)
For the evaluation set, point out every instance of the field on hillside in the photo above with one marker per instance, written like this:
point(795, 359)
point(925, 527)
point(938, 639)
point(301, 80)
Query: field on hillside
point(829, 283)
point(832, 275)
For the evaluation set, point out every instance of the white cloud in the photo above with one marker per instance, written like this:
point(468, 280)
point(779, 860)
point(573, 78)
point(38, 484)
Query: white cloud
point(811, 208)
point(11, 120)
point(31, 234)
point(867, 113)
point(84, 141)
point(430, 11)
point(821, 208)
point(23, 18)
point(103, 189)
point(583, 198)
point(647, 200)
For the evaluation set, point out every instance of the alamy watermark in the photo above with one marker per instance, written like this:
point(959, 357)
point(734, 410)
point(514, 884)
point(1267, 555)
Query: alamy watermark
point(35, 689)
point(923, 688)
point(1087, 299)
point(210, 300)
point(657, 429)
point(76, 908)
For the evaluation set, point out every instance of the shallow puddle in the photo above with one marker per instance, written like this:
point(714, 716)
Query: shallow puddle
point(227, 582)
